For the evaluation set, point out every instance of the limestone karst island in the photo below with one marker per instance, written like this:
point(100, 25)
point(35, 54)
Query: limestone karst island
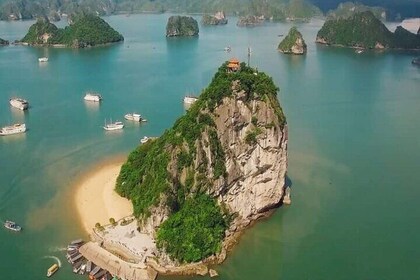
point(364, 30)
point(194, 189)
point(181, 26)
point(293, 43)
point(84, 31)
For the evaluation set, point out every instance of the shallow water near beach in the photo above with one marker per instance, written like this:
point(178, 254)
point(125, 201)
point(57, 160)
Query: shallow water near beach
point(354, 145)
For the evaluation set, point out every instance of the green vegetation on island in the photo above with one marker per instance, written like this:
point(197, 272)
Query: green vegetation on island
point(173, 172)
point(181, 26)
point(364, 30)
point(270, 9)
point(3, 42)
point(347, 9)
point(85, 31)
point(293, 43)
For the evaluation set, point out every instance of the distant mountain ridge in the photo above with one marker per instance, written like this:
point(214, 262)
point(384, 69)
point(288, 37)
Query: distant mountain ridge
point(270, 9)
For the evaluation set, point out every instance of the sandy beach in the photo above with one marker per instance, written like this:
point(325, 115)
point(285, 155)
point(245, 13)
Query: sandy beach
point(95, 198)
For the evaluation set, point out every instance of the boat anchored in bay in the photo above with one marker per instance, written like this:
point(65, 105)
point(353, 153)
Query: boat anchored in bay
point(189, 99)
point(94, 97)
point(19, 103)
point(113, 126)
point(134, 117)
point(12, 129)
point(43, 59)
point(12, 226)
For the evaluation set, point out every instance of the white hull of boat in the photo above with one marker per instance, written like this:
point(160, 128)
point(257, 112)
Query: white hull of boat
point(93, 97)
point(43, 59)
point(12, 129)
point(19, 103)
point(133, 117)
point(114, 126)
point(190, 99)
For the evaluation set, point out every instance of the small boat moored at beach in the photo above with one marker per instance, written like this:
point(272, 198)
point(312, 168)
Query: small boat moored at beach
point(190, 99)
point(144, 139)
point(113, 126)
point(134, 117)
point(12, 129)
point(12, 226)
point(52, 270)
point(359, 51)
point(94, 97)
point(19, 103)
point(43, 59)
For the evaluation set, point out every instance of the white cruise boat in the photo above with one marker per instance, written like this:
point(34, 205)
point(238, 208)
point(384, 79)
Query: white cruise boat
point(134, 117)
point(12, 226)
point(19, 103)
point(190, 99)
point(91, 96)
point(113, 126)
point(12, 129)
point(43, 59)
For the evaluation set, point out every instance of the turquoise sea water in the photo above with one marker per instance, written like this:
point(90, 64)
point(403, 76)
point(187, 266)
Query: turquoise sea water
point(354, 145)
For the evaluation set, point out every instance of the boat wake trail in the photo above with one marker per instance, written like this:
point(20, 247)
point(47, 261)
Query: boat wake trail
point(57, 249)
point(54, 258)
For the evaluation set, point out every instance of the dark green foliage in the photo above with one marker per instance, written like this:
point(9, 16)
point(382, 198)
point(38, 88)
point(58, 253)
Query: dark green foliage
point(144, 176)
point(181, 26)
point(365, 30)
point(3, 42)
point(217, 154)
point(87, 30)
point(35, 32)
point(251, 136)
point(195, 232)
point(290, 40)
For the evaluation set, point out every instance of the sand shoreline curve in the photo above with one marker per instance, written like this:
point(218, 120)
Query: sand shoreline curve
point(95, 198)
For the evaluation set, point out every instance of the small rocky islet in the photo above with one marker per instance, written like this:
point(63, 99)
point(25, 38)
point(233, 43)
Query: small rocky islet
point(84, 31)
point(293, 43)
point(181, 26)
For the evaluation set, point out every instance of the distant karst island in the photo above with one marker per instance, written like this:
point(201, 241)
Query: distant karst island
point(180, 26)
point(250, 21)
point(3, 42)
point(84, 31)
point(219, 168)
point(217, 19)
point(293, 43)
point(364, 30)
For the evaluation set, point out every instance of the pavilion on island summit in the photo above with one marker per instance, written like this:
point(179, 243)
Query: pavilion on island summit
point(233, 65)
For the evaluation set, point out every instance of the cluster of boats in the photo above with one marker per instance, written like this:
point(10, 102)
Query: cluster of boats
point(21, 104)
point(12, 226)
point(83, 266)
point(96, 97)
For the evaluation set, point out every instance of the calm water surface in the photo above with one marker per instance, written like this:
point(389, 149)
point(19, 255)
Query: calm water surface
point(354, 145)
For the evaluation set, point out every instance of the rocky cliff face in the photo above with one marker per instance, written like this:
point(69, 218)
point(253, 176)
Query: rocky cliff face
point(250, 21)
point(229, 148)
point(293, 43)
point(181, 26)
point(217, 19)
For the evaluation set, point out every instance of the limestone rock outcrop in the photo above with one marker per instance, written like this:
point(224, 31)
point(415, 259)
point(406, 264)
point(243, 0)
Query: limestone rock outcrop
point(293, 43)
point(181, 26)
